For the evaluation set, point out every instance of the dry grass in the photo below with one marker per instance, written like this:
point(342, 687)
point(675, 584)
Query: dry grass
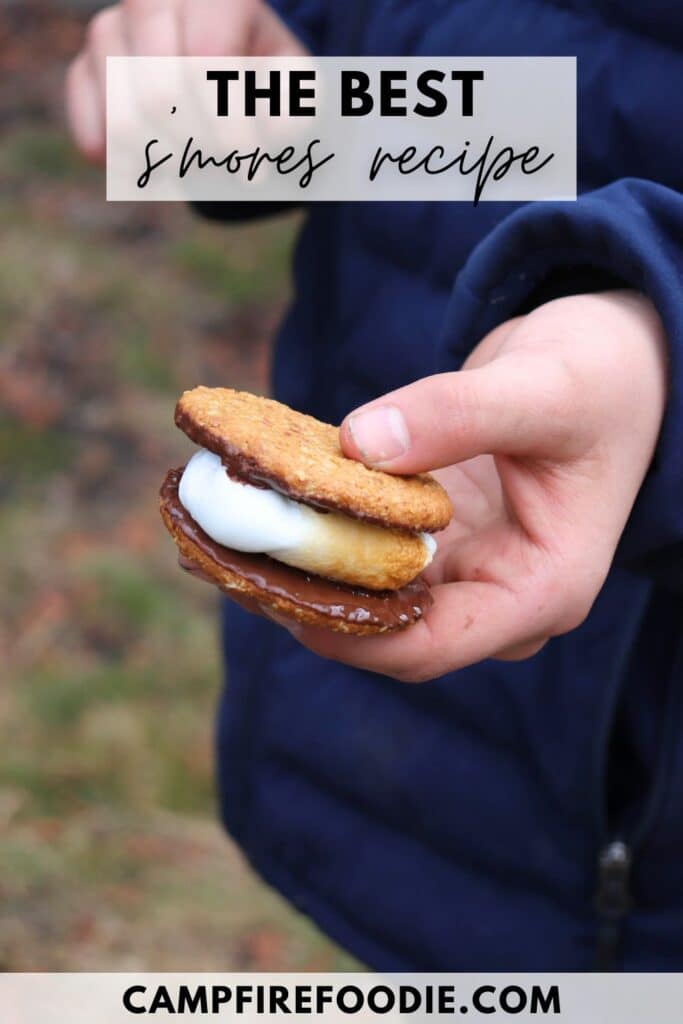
point(110, 858)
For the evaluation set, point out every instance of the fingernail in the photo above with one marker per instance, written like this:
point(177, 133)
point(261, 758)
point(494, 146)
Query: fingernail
point(380, 434)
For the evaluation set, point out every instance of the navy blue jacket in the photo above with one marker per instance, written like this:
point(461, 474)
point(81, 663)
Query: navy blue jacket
point(510, 816)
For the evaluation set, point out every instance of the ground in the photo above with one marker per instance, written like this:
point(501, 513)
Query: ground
point(110, 855)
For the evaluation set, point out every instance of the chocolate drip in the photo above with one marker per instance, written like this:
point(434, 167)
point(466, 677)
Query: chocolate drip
point(392, 609)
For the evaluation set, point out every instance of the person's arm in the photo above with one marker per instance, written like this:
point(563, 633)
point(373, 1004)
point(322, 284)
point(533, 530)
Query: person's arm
point(628, 234)
point(306, 20)
point(553, 437)
point(284, 28)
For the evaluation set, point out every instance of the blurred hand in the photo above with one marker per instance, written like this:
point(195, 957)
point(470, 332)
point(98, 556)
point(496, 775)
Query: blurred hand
point(544, 439)
point(150, 28)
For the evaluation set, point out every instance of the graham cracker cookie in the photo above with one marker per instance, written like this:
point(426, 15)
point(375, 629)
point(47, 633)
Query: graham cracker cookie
point(264, 442)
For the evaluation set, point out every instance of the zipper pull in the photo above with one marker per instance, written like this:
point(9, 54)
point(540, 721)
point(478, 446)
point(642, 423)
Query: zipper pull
point(614, 891)
point(613, 900)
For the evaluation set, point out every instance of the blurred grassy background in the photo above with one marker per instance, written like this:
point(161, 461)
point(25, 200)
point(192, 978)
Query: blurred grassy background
point(110, 857)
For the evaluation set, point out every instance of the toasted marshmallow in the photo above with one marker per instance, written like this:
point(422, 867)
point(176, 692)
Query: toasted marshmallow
point(260, 520)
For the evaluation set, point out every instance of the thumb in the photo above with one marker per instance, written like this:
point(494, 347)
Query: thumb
point(504, 407)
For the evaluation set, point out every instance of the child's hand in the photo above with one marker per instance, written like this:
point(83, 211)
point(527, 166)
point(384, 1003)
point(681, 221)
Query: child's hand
point(150, 28)
point(568, 401)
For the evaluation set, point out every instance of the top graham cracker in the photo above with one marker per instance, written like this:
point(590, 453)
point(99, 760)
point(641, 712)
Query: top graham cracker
point(264, 442)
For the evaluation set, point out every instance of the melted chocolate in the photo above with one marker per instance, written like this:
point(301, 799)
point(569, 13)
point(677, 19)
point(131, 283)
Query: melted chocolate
point(392, 609)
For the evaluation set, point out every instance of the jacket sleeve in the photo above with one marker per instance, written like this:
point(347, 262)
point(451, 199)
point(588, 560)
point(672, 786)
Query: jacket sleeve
point(628, 233)
point(306, 19)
